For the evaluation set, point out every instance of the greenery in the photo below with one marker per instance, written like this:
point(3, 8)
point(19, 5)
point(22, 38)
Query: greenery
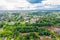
point(29, 26)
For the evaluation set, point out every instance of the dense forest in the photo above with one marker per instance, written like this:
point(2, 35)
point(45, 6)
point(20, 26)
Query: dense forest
point(29, 25)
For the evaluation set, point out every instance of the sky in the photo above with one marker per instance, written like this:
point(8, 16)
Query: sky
point(29, 4)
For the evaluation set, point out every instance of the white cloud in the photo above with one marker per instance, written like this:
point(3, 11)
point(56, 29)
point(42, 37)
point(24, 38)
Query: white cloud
point(52, 2)
point(24, 5)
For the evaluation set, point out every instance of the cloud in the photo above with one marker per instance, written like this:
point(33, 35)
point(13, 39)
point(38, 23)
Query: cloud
point(25, 5)
point(52, 2)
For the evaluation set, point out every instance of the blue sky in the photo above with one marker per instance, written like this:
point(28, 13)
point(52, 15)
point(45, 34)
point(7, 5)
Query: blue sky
point(29, 4)
point(34, 1)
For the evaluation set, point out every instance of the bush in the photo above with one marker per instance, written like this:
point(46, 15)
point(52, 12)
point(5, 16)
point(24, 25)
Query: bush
point(27, 29)
point(32, 36)
point(43, 31)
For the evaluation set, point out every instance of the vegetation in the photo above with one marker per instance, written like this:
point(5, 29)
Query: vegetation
point(27, 27)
